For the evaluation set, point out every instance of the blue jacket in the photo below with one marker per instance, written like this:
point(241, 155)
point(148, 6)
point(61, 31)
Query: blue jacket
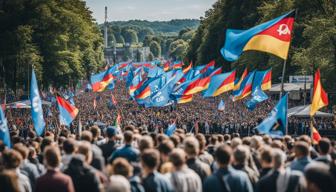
point(233, 180)
point(300, 164)
point(156, 182)
point(128, 152)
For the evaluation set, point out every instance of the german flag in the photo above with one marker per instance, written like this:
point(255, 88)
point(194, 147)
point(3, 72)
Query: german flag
point(239, 81)
point(245, 88)
point(272, 37)
point(220, 83)
point(184, 99)
point(320, 97)
point(166, 66)
point(144, 93)
point(267, 81)
point(178, 65)
point(201, 84)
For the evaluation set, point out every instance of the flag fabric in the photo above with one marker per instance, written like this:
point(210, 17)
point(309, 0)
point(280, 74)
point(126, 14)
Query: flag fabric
point(101, 80)
point(67, 112)
point(220, 83)
point(166, 66)
point(3, 105)
point(263, 79)
point(276, 123)
point(209, 66)
point(272, 36)
point(171, 129)
point(320, 97)
point(201, 83)
point(36, 106)
point(239, 81)
point(245, 88)
point(177, 65)
point(183, 98)
point(314, 134)
point(144, 93)
point(185, 70)
point(258, 96)
point(221, 106)
point(4, 131)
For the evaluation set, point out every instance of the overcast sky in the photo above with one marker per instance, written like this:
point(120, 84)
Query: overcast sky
point(148, 9)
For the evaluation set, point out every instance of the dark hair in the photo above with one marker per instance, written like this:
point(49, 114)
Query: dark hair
point(318, 173)
point(302, 147)
point(52, 155)
point(121, 166)
point(128, 136)
point(69, 146)
point(223, 154)
point(166, 147)
point(9, 181)
point(145, 142)
point(151, 158)
point(45, 142)
point(324, 145)
point(177, 157)
point(11, 159)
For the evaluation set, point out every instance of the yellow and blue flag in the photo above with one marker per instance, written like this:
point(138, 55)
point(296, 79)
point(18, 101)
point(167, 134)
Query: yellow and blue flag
point(273, 37)
point(220, 83)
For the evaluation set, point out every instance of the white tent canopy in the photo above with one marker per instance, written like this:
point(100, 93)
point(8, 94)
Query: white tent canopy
point(304, 110)
point(25, 104)
point(288, 87)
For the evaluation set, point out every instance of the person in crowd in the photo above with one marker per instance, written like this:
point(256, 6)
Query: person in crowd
point(121, 166)
point(302, 159)
point(9, 181)
point(11, 160)
point(204, 156)
point(69, 148)
point(182, 177)
point(98, 161)
point(165, 147)
point(191, 148)
point(281, 179)
point(118, 183)
point(127, 151)
point(241, 156)
point(53, 180)
point(32, 157)
point(82, 174)
point(110, 145)
point(265, 160)
point(324, 146)
point(319, 178)
point(26, 167)
point(227, 178)
point(152, 180)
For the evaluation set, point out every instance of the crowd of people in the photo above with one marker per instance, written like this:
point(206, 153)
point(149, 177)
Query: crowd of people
point(210, 150)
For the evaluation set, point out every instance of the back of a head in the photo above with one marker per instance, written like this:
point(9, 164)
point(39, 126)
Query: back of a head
point(52, 156)
point(241, 154)
point(146, 142)
point(324, 145)
point(128, 137)
point(223, 154)
point(22, 149)
point(177, 157)
point(118, 183)
point(278, 158)
point(86, 136)
point(150, 158)
point(9, 181)
point(121, 166)
point(318, 176)
point(301, 149)
point(166, 147)
point(201, 140)
point(85, 148)
point(235, 142)
point(266, 154)
point(191, 146)
point(95, 131)
point(69, 146)
point(11, 159)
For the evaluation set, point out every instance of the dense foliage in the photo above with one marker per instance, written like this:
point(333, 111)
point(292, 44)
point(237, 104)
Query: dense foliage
point(59, 39)
point(313, 44)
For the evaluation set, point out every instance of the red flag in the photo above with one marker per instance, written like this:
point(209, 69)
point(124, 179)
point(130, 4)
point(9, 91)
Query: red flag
point(320, 97)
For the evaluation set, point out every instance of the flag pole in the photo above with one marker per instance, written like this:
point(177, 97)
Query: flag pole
point(283, 77)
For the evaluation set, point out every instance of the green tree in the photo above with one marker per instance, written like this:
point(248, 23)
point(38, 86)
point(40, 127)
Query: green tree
point(155, 48)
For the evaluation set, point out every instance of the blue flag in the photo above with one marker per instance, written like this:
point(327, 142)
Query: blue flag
point(258, 96)
point(4, 131)
point(171, 129)
point(276, 123)
point(36, 106)
point(221, 106)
